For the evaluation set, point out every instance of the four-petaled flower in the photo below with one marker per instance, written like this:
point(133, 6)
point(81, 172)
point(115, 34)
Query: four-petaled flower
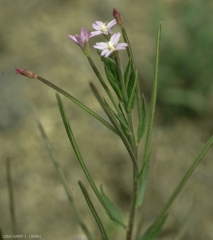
point(82, 40)
point(111, 46)
point(103, 28)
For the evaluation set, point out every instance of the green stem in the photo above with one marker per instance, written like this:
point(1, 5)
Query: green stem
point(133, 206)
point(95, 214)
point(139, 108)
point(76, 149)
point(66, 94)
point(129, 49)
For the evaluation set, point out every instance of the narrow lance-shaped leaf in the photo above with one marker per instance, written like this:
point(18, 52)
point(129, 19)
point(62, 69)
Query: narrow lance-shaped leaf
point(80, 159)
point(142, 180)
point(152, 111)
point(151, 235)
point(133, 84)
point(142, 121)
point(81, 105)
point(154, 95)
point(127, 73)
point(125, 127)
point(121, 80)
point(110, 62)
point(110, 205)
point(121, 106)
point(97, 219)
point(181, 184)
point(121, 118)
point(113, 82)
point(142, 185)
point(152, 108)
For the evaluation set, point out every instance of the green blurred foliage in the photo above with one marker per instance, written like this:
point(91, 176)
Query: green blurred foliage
point(186, 60)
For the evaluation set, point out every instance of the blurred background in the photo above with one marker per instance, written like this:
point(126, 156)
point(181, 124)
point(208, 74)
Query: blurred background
point(34, 36)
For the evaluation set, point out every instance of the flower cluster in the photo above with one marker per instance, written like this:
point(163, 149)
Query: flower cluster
point(101, 28)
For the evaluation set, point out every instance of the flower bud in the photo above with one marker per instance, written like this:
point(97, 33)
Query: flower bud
point(117, 16)
point(25, 73)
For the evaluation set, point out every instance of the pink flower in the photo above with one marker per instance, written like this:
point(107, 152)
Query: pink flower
point(103, 28)
point(111, 46)
point(82, 40)
point(25, 73)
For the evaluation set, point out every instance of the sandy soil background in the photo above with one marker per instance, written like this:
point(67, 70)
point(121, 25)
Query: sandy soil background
point(34, 36)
